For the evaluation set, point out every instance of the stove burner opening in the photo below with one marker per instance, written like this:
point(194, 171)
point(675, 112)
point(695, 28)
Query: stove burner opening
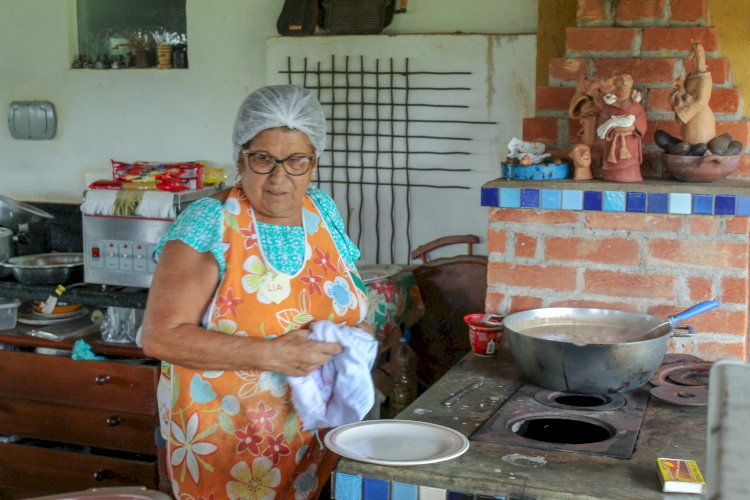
point(562, 430)
point(580, 400)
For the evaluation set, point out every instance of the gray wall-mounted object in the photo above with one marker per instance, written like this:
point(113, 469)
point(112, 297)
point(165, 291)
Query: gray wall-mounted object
point(34, 120)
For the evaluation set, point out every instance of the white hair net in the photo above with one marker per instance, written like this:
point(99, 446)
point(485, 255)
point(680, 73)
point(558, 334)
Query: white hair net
point(280, 106)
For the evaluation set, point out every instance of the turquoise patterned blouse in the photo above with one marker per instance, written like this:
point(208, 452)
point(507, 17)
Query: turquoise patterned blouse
point(199, 227)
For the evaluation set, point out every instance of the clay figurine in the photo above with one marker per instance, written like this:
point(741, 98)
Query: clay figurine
point(621, 127)
point(690, 99)
point(587, 103)
point(581, 156)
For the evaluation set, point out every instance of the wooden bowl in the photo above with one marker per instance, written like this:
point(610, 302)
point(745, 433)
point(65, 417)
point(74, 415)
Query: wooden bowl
point(700, 168)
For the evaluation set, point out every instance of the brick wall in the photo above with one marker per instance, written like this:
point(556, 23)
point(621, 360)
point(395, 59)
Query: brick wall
point(630, 262)
point(650, 40)
point(653, 263)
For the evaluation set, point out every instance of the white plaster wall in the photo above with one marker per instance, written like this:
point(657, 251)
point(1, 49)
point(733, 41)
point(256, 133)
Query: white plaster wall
point(165, 115)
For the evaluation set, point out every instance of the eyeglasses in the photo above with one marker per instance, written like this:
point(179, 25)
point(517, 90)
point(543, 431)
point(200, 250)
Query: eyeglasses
point(263, 163)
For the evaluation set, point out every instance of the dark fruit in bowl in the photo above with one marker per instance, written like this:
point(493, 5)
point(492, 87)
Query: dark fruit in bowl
point(734, 148)
point(697, 149)
point(718, 145)
point(679, 149)
point(665, 140)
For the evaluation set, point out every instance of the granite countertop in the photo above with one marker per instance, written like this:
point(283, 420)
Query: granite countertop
point(89, 294)
point(504, 470)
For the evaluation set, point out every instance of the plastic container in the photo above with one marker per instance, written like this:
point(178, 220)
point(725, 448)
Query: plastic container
point(8, 313)
point(405, 378)
point(484, 338)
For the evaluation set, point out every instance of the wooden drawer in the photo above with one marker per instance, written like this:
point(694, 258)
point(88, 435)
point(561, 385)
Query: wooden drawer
point(80, 425)
point(96, 384)
point(44, 470)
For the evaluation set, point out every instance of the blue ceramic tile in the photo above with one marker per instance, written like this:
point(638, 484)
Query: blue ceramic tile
point(551, 199)
point(572, 200)
point(658, 203)
point(614, 201)
point(529, 198)
point(403, 491)
point(592, 200)
point(703, 204)
point(679, 203)
point(743, 205)
point(636, 202)
point(510, 197)
point(375, 489)
point(454, 495)
point(724, 204)
point(490, 197)
point(348, 487)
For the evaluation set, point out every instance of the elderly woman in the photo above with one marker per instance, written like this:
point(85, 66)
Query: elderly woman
point(241, 278)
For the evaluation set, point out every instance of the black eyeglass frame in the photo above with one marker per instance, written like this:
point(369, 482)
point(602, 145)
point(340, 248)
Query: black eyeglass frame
point(277, 161)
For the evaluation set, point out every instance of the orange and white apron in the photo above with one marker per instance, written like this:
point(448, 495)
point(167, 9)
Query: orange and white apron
point(235, 434)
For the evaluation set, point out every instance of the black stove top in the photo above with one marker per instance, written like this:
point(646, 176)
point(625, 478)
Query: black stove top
point(602, 424)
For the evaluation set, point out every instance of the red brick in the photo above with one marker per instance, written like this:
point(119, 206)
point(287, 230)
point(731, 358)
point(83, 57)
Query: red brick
point(688, 11)
point(594, 40)
point(700, 288)
point(575, 132)
point(544, 217)
point(635, 222)
point(558, 278)
point(698, 253)
point(524, 303)
point(719, 69)
point(711, 350)
point(743, 170)
point(525, 246)
point(493, 302)
point(639, 10)
point(591, 11)
point(678, 38)
point(540, 129)
point(739, 130)
point(670, 126)
point(703, 224)
point(568, 70)
point(496, 240)
point(596, 304)
point(733, 290)
point(738, 225)
point(622, 284)
point(658, 101)
point(716, 321)
point(643, 70)
point(723, 100)
point(554, 98)
point(622, 251)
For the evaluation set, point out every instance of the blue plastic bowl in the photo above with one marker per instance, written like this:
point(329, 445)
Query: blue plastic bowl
point(535, 172)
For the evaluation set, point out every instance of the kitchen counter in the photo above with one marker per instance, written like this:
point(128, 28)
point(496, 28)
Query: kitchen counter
point(100, 295)
point(523, 472)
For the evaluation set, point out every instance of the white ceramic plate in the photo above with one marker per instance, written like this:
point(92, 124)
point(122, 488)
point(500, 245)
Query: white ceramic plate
point(397, 442)
point(374, 272)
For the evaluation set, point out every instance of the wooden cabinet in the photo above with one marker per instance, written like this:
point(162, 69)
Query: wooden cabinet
point(75, 424)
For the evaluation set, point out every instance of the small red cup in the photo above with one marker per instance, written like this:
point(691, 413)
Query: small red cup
point(485, 338)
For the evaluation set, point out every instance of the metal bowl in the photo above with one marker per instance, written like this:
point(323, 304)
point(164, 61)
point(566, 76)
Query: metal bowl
point(44, 268)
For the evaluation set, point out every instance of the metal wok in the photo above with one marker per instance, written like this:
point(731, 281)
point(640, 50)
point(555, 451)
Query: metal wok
point(591, 351)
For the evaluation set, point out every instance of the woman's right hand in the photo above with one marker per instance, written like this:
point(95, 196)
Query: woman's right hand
point(296, 355)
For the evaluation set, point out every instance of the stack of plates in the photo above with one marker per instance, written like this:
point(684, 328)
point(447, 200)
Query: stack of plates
point(29, 316)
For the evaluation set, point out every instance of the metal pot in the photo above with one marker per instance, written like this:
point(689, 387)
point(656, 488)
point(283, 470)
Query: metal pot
point(7, 249)
point(44, 268)
point(591, 351)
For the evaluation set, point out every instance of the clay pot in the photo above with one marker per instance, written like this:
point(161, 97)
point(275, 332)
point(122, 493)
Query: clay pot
point(700, 168)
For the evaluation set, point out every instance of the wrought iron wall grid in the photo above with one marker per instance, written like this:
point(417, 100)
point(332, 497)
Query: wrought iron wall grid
point(375, 137)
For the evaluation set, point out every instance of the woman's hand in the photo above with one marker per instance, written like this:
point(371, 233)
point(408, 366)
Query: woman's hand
point(296, 355)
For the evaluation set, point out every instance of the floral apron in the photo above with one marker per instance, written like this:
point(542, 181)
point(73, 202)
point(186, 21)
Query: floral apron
point(235, 434)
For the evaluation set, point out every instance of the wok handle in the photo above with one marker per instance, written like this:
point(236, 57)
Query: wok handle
point(689, 333)
point(694, 311)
